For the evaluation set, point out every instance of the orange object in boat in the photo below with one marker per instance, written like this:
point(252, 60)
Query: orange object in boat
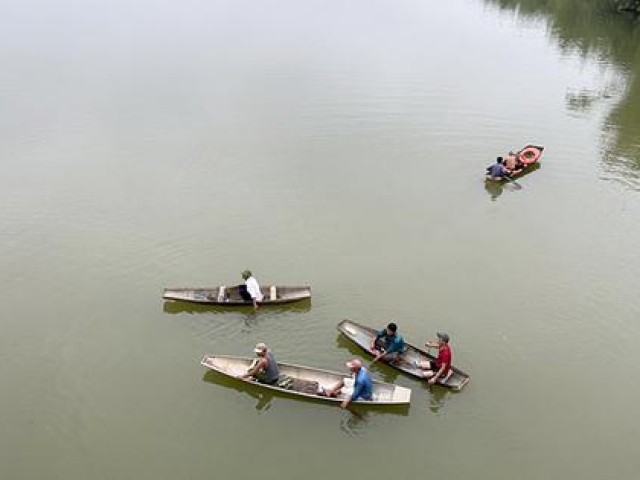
point(530, 154)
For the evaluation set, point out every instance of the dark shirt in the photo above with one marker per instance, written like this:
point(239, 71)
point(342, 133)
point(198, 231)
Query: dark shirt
point(497, 170)
point(270, 373)
point(392, 343)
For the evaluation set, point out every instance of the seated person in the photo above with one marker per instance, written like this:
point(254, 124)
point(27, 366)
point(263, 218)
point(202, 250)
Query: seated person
point(388, 346)
point(440, 369)
point(497, 171)
point(512, 164)
point(250, 291)
point(264, 368)
point(362, 385)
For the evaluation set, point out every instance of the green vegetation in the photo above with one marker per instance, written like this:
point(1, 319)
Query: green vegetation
point(628, 6)
point(597, 29)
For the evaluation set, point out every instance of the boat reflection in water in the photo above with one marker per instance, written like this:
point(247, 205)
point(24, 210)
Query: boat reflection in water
point(494, 189)
point(263, 397)
point(437, 398)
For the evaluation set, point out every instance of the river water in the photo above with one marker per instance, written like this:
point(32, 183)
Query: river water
point(337, 144)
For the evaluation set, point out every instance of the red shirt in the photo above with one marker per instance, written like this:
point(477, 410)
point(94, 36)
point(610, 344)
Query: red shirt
point(444, 356)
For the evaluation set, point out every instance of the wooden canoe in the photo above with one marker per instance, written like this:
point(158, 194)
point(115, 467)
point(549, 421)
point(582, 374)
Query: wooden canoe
point(306, 380)
point(363, 336)
point(229, 296)
point(530, 156)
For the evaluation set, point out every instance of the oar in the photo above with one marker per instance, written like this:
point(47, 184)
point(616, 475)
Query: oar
point(353, 412)
point(378, 357)
point(511, 180)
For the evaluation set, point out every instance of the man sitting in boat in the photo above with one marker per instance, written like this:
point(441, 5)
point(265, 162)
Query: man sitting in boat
point(264, 368)
point(250, 291)
point(497, 171)
point(388, 346)
point(513, 164)
point(440, 369)
point(362, 384)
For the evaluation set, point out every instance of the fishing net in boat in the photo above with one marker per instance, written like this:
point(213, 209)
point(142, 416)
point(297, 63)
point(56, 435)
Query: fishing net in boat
point(298, 385)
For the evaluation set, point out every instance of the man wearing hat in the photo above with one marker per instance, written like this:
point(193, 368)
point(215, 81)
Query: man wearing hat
point(362, 385)
point(250, 291)
point(441, 368)
point(264, 368)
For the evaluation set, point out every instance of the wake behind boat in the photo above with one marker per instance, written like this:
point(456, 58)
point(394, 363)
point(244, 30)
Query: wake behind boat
point(363, 336)
point(307, 381)
point(230, 296)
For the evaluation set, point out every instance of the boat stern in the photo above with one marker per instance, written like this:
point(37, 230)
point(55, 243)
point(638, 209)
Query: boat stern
point(174, 294)
point(401, 395)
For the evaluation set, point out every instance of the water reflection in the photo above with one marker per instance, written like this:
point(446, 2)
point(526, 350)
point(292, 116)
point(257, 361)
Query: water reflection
point(494, 189)
point(263, 396)
point(622, 142)
point(345, 343)
point(582, 100)
point(437, 397)
point(387, 374)
point(592, 29)
point(356, 421)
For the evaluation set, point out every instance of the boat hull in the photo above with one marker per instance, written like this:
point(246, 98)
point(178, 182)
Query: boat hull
point(230, 296)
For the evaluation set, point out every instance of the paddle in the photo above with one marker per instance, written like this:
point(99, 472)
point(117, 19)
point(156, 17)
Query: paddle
point(512, 181)
point(378, 357)
point(355, 413)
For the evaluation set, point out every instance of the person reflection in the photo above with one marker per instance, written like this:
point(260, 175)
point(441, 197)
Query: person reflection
point(494, 189)
point(264, 400)
point(437, 399)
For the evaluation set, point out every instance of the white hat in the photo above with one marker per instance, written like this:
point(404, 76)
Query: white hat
point(260, 347)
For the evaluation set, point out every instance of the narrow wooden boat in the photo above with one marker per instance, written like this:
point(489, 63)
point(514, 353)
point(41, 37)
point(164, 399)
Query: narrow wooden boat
point(307, 382)
point(529, 157)
point(230, 296)
point(363, 336)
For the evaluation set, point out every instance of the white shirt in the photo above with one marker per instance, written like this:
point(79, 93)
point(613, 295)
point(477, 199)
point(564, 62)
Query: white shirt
point(253, 288)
